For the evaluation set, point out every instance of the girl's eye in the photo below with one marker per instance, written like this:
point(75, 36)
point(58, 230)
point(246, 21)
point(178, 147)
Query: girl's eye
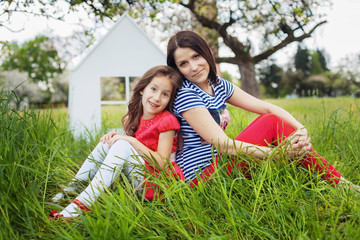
point(153, 88)
point(196, 56)
point(166, 94)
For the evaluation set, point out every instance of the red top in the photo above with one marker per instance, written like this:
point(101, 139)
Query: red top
point(148, 133)
point(149, 129)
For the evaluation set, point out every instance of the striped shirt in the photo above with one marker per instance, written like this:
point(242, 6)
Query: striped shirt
point(197, 154)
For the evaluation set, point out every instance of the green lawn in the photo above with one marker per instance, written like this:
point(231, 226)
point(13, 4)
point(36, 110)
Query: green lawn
point(281, 201)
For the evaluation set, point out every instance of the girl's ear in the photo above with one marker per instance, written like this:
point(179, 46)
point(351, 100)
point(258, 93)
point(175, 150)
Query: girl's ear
point(141, 93)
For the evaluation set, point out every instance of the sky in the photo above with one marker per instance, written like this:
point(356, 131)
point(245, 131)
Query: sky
point(340, 36)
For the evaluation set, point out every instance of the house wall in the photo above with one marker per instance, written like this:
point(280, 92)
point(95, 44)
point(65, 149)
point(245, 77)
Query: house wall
point(124, 51)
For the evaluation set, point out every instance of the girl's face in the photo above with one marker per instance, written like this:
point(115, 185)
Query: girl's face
point(156, 96)
point(192, 65)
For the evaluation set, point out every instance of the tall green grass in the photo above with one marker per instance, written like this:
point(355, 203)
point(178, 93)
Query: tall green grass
point(281, 201)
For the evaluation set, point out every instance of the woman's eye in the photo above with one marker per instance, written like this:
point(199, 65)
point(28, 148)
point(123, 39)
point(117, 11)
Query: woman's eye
point(196, 55)
point(182, 64)
point(154, 89)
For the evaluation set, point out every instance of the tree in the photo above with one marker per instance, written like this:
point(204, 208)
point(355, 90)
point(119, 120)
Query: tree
point(322, 59)
point(271, 79)
point(253, 30)
point(277, 23)
point(38, 58)
point(302, 61)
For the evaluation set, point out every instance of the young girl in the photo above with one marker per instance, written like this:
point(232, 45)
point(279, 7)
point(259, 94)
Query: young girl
point(151, 132)
point(201, 106)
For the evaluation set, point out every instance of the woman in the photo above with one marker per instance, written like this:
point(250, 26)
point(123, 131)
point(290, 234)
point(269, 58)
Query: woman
point(201, 106)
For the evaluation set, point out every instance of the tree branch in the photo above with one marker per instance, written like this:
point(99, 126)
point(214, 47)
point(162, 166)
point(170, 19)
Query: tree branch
point(289, 39)
point(231, 60)
point(233, 43)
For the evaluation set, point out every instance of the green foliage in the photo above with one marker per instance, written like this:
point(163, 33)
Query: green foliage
point(38, 58)
point(310, 78)
point(281, 201)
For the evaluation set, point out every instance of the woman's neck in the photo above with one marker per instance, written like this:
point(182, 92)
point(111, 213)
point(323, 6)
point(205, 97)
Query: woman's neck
point(206, 87)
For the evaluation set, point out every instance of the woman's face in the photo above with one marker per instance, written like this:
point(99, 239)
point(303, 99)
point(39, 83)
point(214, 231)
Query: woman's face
point(192, 65)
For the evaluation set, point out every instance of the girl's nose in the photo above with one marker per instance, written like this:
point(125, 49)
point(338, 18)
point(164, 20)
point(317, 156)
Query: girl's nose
point(157, 96)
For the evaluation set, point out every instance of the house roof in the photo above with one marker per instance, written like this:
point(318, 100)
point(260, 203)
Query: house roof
point(116, 25)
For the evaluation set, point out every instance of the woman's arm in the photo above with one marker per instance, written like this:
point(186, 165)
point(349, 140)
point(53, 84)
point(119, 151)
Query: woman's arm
point(246, 101)
point(163, 152)
point(210, 131)
point(249, 103)
point(203, 123)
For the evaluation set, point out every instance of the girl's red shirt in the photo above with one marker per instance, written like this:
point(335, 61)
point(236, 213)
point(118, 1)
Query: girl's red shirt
point(149, 130)
point(148, 133)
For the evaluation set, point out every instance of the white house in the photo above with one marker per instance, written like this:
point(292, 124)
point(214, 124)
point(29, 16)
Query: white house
point(125, 53)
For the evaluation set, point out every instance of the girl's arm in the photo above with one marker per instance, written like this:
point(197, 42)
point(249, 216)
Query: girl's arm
point(163, 151)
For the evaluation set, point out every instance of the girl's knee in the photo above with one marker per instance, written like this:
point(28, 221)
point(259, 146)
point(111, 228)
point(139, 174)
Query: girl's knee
point(121, 143)
point(102, 147)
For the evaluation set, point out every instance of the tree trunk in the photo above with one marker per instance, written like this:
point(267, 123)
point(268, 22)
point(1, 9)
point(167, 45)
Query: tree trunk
point(248, 80)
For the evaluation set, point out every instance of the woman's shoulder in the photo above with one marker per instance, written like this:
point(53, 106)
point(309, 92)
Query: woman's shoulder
point(225, 86)
point(223, 81)
point(187, 89)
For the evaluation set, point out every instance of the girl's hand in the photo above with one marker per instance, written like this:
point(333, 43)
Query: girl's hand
point(300, 143)
point(108, 136)
point(118, 137)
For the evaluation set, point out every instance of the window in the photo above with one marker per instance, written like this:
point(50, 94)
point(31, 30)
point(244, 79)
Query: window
point(113, 89)
point(116, 90)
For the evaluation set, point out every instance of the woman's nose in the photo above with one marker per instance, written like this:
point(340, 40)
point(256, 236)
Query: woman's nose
point(193, 66)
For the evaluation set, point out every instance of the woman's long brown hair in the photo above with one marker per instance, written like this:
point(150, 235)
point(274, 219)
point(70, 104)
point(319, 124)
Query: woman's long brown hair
point(131, 119)
point(184, 39)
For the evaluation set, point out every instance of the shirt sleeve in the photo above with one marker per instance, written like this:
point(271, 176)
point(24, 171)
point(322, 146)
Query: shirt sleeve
point(187, 99)
point(228, 88)
point(168, 122)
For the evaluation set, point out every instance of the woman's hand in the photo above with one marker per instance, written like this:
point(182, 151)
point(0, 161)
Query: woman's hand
point(108, 136)
point(300, 143)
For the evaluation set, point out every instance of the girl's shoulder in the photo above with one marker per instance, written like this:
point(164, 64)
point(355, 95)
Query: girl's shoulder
point(167, 121)
point(166, 115)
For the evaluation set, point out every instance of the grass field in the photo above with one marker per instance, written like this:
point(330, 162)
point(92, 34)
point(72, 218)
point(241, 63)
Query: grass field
point(281, 201)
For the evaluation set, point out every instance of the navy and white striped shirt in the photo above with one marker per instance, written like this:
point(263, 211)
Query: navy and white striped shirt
point(196, 154)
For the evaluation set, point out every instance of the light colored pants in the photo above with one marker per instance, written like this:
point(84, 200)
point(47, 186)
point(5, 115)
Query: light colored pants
point(104, 164)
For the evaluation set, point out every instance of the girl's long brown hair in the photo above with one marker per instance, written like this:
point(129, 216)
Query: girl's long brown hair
point(131, 119)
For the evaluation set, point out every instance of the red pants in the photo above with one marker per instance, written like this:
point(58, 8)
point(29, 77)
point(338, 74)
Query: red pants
point(270, 129)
